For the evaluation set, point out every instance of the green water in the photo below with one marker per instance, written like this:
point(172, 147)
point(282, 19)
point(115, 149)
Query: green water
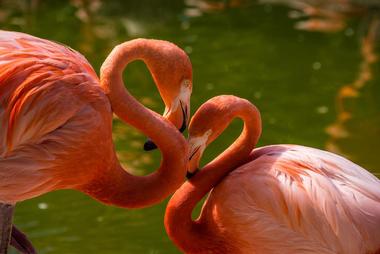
point(253, 51)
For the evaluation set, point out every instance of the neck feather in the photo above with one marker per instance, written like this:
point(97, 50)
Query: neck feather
point(202, 235)
point(117, 186)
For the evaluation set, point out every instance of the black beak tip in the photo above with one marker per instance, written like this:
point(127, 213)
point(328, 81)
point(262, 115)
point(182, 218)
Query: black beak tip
point(183, 127)
point(189, 175)
point(149, 145)
point(184, 115)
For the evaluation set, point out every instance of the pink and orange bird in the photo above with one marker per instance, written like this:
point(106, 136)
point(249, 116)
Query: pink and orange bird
point(56, 124)
point(276, 199)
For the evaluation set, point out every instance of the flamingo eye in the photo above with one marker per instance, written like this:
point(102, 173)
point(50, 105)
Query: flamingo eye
point(187, 83)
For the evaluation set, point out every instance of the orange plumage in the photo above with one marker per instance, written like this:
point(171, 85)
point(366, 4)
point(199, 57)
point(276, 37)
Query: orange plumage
point(56, 121)
point(274, 199)
point(51, 108)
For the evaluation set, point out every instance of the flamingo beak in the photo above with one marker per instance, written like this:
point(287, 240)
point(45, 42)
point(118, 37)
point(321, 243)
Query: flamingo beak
point(195, 154)
point(185, 117)
point(149, 145)
point(197, 146)
point(189, 174)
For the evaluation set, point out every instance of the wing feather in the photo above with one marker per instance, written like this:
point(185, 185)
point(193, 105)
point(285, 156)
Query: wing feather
point(38, 81)
point(300, 200)
point(50, 102)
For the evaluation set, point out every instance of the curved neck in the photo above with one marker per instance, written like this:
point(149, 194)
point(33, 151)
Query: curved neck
point(116, 186)
point(202, 234)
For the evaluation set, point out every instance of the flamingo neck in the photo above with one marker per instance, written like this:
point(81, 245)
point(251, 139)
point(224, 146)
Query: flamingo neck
point(116, 186)
point(202, 235)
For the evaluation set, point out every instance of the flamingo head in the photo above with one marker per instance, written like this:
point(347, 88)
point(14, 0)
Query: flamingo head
point(172, 74)
point(210, 120)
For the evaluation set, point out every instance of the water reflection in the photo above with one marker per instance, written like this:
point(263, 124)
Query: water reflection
point(347, 135)
point(324, 15)
point(196, 8)
point(333, 16)
point(347, 123)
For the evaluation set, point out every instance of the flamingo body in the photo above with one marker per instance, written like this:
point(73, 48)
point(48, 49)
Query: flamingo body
point(56, 119)
point(52, 109)
point(295, 199)
point(275, 199)
point(56, 124)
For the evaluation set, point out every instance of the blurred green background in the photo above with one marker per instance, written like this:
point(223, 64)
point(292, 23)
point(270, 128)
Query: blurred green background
point(311, 67)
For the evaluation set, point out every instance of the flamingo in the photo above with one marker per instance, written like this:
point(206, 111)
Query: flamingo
point(56, 124)
point(274, 199)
